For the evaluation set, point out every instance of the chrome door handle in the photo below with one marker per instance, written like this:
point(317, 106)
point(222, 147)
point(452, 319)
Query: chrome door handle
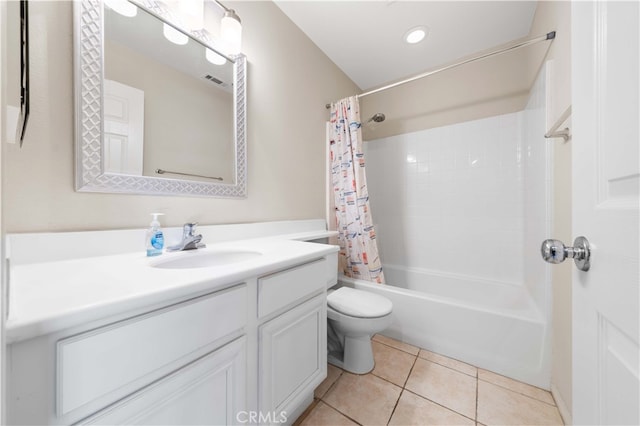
point(554, 251)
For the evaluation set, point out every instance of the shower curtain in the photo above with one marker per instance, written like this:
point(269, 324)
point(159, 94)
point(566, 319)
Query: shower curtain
point(358, 256)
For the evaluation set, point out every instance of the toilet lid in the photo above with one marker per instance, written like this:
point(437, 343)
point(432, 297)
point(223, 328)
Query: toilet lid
point(359, 303)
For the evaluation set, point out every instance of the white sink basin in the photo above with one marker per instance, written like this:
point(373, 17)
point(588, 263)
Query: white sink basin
point(195, 259)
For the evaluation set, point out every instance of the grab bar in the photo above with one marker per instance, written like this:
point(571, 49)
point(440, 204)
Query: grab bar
point(161, 172)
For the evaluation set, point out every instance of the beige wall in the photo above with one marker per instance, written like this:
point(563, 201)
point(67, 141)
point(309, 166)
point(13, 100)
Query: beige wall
point(485, 88)
point(12, 58)
point(289, 82)
point(556, 15)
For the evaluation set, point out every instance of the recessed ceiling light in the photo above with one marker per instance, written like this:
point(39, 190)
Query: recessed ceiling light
point(416, 35)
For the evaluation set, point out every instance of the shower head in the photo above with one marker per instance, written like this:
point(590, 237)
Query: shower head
point(378, 118)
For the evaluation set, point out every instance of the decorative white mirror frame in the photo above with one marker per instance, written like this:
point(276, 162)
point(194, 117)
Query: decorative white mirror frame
point(89, 77)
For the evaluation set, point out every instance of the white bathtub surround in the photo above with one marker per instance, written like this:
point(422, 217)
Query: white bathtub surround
point(450, 199)
point(460, 212)
point(467, 291)
point(537, 185)
point(115, 339)
point(358, 255)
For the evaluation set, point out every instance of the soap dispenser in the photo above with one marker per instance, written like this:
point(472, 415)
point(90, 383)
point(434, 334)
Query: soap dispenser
point(155, 237)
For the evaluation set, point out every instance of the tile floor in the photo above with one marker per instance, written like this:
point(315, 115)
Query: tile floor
point(412, 386)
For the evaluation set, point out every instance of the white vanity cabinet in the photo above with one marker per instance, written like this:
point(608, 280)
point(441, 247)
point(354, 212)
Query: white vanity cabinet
point(139, 369)
point(248, 352)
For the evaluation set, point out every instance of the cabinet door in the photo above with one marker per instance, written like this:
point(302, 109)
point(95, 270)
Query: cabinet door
point(104, 365)
point(293, 358)
point(208, 391)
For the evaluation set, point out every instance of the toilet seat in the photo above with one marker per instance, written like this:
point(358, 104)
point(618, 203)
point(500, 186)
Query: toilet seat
point(358, 303)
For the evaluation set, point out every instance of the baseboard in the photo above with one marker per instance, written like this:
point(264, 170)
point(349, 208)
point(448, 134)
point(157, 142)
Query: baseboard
point(565, 412)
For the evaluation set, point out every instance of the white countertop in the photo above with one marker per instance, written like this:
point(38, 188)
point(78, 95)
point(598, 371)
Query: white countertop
point(51, 296)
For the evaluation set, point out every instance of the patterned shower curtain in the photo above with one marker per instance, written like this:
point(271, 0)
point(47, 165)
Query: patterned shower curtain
point(358, 256)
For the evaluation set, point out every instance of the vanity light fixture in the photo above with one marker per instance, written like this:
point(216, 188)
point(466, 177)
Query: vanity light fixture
point(230, 30)
point(123, 7)
point(415, 35)
point(190, 14)
point(173, 35)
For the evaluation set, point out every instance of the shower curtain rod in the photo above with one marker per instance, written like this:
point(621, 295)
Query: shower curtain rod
point(549, 36)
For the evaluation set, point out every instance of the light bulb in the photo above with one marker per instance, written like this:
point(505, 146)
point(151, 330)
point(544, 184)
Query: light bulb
point(123, 7)
point(173, 35)
point(231, 32)
point(214, 58)
point(416, 35)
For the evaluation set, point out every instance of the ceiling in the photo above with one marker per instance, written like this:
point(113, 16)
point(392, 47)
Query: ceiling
point(365, 38)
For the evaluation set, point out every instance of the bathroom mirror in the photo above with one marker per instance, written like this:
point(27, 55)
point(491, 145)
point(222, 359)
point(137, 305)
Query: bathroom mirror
point(155, 116)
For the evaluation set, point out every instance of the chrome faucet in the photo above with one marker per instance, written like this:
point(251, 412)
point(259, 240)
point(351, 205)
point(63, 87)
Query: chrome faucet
point(189, 240)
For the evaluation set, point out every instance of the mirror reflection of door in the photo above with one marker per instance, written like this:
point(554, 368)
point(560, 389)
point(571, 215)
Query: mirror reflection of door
point(123, 128)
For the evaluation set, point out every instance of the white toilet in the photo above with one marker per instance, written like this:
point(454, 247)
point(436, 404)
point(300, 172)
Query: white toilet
point(353, 317)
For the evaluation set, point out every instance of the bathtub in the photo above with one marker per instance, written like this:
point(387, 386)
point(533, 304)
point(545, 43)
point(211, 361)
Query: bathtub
point(495, 326)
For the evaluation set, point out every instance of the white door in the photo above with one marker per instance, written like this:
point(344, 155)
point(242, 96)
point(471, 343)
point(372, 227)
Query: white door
point(123, 128)
point(606, 116)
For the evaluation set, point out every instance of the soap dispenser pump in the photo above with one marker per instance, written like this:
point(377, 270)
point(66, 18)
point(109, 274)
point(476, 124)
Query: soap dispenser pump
point(155, 237)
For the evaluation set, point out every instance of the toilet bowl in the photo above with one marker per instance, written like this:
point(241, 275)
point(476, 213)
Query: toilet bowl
point(353, 317)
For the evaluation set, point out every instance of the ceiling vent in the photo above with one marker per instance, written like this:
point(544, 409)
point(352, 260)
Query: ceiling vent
point(214, 79)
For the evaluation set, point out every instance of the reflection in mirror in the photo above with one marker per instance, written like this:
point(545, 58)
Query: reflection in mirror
point(168, 116)
point(167, 106)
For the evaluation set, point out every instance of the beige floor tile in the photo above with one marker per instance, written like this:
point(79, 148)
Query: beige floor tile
point(333, 373)
point(392, 364)
point(306, 412)
point(413, 350)
point(514, 385)
point(367, 399)
point(449, 362)
point(323, 415)
point(445, 386)
point(414, 410)
point(500, 406)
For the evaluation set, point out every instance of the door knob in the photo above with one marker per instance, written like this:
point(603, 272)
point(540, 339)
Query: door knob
point(554, 251)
